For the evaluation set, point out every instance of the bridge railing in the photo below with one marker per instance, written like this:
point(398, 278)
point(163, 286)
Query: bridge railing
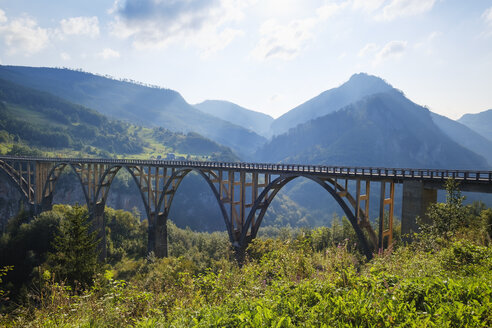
point(370, 172)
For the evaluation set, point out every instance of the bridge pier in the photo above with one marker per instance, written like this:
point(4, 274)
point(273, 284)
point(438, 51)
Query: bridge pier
point(416, 200)
point(96, 216)
point(157, 239)
point(46, 203)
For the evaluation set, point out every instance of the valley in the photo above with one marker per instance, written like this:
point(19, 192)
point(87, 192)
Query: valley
point(364, 122)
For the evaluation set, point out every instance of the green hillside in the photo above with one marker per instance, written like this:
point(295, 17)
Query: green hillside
point(35, 119)
point(131, 102)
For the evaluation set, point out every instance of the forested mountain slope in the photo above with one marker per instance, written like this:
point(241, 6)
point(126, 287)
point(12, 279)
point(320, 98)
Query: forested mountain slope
point(136, 103)
point(384, 129)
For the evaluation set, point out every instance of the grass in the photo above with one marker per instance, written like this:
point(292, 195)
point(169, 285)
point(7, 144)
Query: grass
point(283, 284)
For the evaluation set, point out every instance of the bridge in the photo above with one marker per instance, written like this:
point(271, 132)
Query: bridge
point(243, 191)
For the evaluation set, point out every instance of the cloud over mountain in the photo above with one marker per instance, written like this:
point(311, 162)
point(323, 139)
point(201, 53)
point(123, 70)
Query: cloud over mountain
point(22, 35)
point(400, 8)
point(80, 26)
point(155, 24)
point(286, 41)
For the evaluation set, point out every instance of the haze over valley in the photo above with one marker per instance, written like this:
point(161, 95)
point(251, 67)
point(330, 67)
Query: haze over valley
point(363, 122)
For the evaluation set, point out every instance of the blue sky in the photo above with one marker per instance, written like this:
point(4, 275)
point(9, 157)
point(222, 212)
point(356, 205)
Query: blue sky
point(268, 55)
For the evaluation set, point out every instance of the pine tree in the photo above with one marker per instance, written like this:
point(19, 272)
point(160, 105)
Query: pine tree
point(74, 259)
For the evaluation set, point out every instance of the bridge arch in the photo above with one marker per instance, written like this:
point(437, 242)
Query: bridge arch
point(49, 184)
point(175, 180)
point(106, 181)
point(107, 178)
point(263, 201)
point(9, 172)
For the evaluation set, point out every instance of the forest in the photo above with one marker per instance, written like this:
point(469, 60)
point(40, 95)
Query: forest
point(33, 122)
point(50, 275)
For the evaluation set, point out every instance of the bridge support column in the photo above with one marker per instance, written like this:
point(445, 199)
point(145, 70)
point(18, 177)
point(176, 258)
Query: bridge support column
point(47, 203)
point(98, 224)
point(240, 250)
point(158, 235)
point(416, 200)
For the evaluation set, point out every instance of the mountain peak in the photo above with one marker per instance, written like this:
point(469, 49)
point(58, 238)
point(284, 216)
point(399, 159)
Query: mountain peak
point(357, 87)
point(363, 81)
point(479, 122)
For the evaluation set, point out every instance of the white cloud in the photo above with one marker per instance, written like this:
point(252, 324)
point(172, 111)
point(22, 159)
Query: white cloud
point(64, 56)
point(342, 55)
point(426, 46)
point(391, 9)
point(400, 8)
point(487, 16)
point(283, 41)
point(108, 53)
point(211, 41)
point(157, 23)
point(377, 54)
point(368, 49)
point(23, 35)
point(392, 49)
point(80, 26)
point(330, 9)
point(367, 5)
point(286, 41)
point(3, 17)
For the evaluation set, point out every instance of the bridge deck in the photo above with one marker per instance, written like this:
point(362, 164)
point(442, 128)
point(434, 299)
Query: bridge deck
point(372, 173)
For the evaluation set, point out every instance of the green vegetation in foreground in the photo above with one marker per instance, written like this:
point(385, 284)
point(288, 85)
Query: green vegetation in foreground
point(301, 279)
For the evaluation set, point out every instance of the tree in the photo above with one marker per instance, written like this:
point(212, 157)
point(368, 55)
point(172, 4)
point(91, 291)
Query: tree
point(75, 249)
point(444, 219)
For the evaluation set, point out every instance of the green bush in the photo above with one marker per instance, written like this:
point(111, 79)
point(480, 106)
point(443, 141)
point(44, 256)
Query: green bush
point(300, 280)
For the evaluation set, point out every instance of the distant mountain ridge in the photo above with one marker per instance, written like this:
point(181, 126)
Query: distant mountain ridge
point(480, 123)
point(228, 111)
point(232, 125)
point(134, 103)
point(384, 129)
point(357, 87)
point(465, 136)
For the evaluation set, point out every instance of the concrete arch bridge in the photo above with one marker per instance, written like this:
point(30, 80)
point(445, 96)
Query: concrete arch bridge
point(243, 191)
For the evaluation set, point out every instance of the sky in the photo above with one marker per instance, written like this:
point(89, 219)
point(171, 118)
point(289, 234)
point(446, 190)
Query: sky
point(265, 55)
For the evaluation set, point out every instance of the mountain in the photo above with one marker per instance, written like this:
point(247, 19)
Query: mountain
point(43, 121)
point(228, 111)
point(465, 136)
point(480, 123)
point(128, 101)
point(357, 87)
point(384, 129)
